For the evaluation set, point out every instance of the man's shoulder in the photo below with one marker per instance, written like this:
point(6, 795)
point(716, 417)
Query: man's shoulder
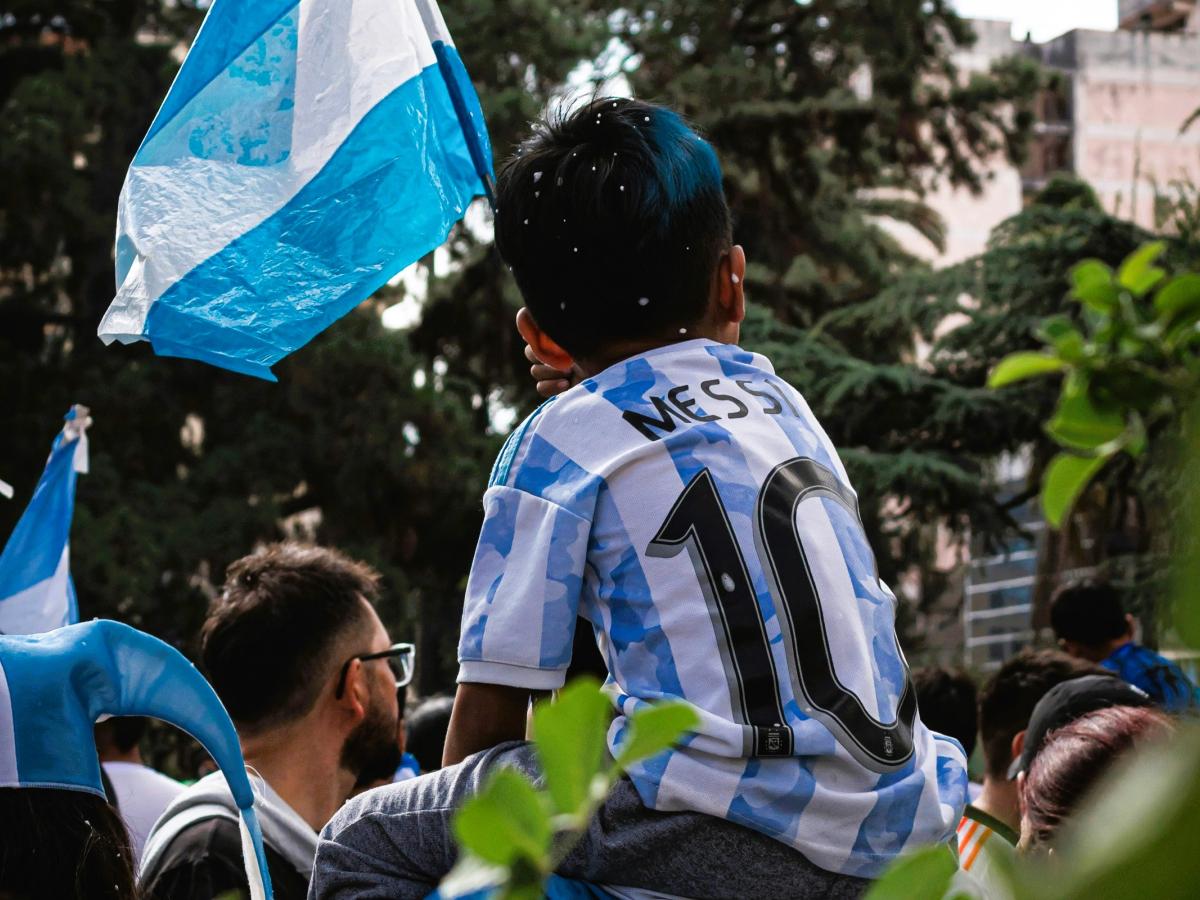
point(214, 837)
point(975, 817)
point(205, 860)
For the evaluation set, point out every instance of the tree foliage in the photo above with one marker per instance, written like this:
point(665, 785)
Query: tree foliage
point(366, 442)
point(830, 116)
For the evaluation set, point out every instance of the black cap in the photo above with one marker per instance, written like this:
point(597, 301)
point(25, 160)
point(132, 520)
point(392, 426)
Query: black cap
point(1068, 701)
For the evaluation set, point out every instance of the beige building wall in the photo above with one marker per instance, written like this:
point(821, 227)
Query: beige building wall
point(1129, 94)
point(1116, 123)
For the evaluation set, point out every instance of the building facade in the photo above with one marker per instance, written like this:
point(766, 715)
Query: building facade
point(1115, 121)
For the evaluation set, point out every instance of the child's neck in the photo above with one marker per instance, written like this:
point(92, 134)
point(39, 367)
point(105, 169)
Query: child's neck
point(623, 350)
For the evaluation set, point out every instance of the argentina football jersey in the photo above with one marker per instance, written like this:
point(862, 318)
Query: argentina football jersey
point(688, 505)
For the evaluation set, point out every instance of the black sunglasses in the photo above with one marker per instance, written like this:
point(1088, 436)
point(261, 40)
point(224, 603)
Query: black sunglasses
point(399, 657)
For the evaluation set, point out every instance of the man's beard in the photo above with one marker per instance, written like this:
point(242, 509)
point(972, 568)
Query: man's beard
point(371, 751)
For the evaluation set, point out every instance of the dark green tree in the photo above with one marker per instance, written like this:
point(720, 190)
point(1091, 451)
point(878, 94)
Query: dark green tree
point(928, 431)
point(364, 443)
point(830, 117)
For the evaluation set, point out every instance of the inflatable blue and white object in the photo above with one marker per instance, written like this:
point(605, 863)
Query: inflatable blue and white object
point(306, 153)
point(55, 686)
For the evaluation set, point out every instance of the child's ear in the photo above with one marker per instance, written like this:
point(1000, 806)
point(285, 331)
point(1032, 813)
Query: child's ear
point(731, 286)
point(544, 347)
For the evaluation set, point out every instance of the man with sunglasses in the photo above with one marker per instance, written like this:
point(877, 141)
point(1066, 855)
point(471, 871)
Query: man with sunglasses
point(298, 655)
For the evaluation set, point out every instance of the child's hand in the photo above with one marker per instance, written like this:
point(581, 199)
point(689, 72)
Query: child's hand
point(548, 381)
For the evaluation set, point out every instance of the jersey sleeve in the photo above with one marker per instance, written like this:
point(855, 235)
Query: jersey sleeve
point(522, 596)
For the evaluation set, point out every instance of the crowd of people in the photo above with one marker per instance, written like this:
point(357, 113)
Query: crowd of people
point(819, 757)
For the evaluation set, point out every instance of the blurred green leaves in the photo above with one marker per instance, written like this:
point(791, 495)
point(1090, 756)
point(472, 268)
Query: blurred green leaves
point(504, 822)
point(1130, 373)
point(923, 874)
point(514, 835)
point(570, 737)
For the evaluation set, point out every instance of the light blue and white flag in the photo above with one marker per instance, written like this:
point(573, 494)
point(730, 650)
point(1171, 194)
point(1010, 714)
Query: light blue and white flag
point(36, 592)
point(306, 153)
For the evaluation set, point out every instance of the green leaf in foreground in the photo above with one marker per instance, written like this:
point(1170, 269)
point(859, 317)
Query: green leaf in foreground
point(1094, 285)
point(1019, 366)
point(1179, 295)
point(1066, 477)
point(1079, 423)
point(570, 736)
point(654, 729)
point(1138, 273)
point(505, 821)
point(924, 875)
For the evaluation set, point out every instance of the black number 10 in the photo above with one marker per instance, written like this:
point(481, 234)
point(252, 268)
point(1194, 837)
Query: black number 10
point(699, 522)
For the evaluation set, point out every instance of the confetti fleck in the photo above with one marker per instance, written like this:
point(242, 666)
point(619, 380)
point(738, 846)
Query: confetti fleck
point(647, 118)
point(526, 221)
point(727, 582)
point(683, 331)
point(539, 193)
point(593, 168)
point(562, 306)
point(537, 176)
point(736, 280)
point(576, 249)
point(643, 301)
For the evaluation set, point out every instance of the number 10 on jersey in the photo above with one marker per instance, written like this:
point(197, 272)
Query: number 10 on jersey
point(699, 522)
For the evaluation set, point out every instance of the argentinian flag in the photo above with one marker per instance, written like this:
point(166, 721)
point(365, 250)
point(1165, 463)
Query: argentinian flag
point(36, 592)
point(306, 153)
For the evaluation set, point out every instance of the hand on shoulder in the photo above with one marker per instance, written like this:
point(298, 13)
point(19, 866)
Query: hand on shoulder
point(547, 380)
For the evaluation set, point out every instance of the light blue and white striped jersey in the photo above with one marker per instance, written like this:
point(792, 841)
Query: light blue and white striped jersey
point(687, 503)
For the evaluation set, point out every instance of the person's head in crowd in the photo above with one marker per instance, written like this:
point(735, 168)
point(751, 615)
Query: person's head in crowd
point(426, 731)
point(613, 219)
point(58, 844)
point(1006, 701)
point(119, 739)
point(1073, 758)
point(1068, 701)
point(284, 647)
point(1090, 621)
point(946, 700)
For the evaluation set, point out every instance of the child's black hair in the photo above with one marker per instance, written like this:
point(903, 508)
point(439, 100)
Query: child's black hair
point(613, 219)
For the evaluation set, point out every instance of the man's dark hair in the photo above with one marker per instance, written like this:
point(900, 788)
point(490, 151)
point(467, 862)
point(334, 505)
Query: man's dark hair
point(1089, 614)
point(946, 702)
point(269, 640)
point(1007, 699)
point(613, 219)
point(425, 731)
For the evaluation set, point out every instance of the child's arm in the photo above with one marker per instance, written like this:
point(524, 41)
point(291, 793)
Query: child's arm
point(484, 715)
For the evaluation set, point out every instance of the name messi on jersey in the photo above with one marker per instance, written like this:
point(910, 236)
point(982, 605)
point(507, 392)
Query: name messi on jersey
point(683, 404)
